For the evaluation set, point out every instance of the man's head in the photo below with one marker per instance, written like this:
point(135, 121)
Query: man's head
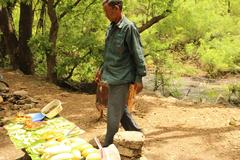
point(113, 9)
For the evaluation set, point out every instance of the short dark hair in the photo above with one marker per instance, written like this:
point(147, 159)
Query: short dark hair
point(113, 3)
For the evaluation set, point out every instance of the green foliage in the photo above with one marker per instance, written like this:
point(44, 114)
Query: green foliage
point(234, 94)
point(221, 55)
point(167, 84)
point(198, 35)
point(142, 10)
point(234, 88)
point(40, 46)
point(206, 32)
point(81, 42)
point(5, 2)
point(211, 94)
point(28, 2)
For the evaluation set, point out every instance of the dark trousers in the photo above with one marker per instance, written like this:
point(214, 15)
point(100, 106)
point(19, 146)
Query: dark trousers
point(118, 112)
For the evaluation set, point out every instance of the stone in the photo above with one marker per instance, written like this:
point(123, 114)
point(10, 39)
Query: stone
point(17, 107)
point(34, 110)
point(142, 158)
point(20, 102)
point(28, 100)
point(1, 99)
point(127, 152)
point(234, 122)
point(28, 106)
point(221, 100)
point(100, 138)
point(4, 90)
point(23, 87)
point(202, 100)
point(32, 100)
point(64, 94)
point(1, 123)
point(129, 139)
point(20, 93)
point(11, 99)
point(18, 71)
point(128, 158)
point(234, 99)
point(4, 120)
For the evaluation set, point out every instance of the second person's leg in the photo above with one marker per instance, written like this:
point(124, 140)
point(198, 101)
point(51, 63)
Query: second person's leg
point(128, 122)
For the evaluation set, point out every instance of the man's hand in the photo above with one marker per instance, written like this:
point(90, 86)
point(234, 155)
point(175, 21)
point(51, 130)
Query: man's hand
point(138, 87)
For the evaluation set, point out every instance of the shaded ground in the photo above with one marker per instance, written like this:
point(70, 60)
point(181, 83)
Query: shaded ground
point(175, 130)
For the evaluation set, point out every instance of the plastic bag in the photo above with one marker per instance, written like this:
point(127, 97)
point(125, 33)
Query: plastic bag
point(108, 153)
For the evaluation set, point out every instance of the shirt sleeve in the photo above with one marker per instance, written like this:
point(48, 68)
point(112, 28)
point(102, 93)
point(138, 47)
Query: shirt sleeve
point(136, 49)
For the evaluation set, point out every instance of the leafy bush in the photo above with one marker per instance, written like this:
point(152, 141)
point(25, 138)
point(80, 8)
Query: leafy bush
point(204, 32)
point(40, 46)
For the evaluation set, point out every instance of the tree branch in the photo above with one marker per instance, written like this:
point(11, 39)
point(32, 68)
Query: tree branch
point(76, 64)
point(70, 73)
point(55, 5)
point(40, 24)
point(66, 11)
point(85, 11)
point(35, 6)
point(45, 1)
point(156, 19)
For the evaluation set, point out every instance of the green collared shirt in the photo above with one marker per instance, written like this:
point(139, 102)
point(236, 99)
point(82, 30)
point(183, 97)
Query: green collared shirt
point(123, 56)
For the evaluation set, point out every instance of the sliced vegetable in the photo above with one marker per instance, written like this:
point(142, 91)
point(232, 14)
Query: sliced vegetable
point(88, 151)
point(62, 156)
point(57, 150)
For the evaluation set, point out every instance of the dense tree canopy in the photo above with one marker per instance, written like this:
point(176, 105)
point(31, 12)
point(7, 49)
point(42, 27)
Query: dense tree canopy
point(64, 39)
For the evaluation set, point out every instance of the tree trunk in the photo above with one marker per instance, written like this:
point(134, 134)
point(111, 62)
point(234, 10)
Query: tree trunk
point(41, 25)
point(2, 51)
point(25, 59)
point(51, 56)
point(9, 36)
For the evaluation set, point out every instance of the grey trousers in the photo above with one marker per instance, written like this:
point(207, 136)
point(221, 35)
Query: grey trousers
point(117, 112)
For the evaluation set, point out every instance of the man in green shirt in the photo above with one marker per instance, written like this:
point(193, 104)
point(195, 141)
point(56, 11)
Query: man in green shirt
point(123, 64)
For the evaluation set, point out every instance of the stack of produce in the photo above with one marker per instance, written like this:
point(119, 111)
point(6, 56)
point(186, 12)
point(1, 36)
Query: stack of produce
point(129, 144)
point(69, 148)
point(53, 139)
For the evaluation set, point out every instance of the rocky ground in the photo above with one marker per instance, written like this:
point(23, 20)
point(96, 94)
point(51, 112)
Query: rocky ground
point(174, 129)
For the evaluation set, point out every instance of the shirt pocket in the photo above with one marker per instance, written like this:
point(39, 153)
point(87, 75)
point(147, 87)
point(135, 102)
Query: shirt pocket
point(118, 42)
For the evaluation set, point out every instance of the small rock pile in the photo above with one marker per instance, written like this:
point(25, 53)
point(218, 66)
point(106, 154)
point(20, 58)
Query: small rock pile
point(19, 100)
point(11, 103)
point(130, 145)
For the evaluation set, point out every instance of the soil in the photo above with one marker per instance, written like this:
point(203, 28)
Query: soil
point(174, 129)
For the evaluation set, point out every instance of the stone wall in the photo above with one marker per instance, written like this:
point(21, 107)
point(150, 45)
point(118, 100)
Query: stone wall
point(130, 145)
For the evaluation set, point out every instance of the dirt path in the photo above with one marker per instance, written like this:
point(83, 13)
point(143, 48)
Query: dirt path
point(175, 130)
